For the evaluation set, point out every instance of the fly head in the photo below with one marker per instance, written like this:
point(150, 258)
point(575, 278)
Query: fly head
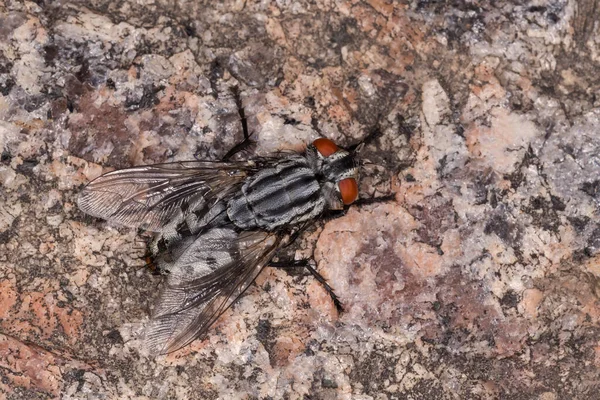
point(337, 170)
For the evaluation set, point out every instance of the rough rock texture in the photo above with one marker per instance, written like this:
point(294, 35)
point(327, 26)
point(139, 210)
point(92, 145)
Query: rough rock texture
point(481, 280)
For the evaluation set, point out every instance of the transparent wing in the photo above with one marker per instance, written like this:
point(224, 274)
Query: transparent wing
point(154, 196)
point(209, 273)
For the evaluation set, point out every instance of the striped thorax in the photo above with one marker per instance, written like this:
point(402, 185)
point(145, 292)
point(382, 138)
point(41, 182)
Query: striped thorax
point(297, 188)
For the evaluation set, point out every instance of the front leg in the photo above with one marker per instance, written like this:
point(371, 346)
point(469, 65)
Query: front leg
point(244, 144)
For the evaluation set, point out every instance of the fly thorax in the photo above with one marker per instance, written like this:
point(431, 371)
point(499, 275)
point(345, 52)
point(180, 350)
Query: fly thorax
point(286, 194)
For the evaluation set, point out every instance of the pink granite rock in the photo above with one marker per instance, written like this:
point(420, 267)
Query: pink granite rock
point(479, 280)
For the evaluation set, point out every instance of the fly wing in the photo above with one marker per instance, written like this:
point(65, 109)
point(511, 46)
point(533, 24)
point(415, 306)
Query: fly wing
point(210, 272)
point(153, 197)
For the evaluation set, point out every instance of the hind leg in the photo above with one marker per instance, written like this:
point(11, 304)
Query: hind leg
point(306, 263)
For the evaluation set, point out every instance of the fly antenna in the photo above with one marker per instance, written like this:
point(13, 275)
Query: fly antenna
point(371, 136)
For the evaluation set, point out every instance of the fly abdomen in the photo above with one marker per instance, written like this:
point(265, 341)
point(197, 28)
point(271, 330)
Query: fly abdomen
point(287, 193)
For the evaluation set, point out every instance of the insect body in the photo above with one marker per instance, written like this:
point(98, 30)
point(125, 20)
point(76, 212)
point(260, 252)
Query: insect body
point(218, 224)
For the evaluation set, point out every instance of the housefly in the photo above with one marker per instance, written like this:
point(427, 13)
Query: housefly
point(218, 223)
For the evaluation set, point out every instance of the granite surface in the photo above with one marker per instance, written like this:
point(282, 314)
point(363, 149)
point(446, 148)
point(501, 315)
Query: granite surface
point(481, 280)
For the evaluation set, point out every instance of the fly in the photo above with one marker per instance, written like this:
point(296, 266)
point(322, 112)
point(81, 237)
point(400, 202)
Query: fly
point(218, 224)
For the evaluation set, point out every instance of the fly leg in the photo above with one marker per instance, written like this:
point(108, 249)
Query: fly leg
point(328, 289)
point(371, 136)
point(149, 257)
point(305, 263)
point(333, 214)
point(374, 200)
point(247, 141)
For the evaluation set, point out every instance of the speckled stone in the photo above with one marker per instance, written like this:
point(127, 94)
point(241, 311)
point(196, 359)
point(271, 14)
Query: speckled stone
point(479, 280)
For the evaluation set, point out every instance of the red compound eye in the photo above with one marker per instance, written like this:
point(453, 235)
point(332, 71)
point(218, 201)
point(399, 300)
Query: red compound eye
point(348, 190)
point(325, 146)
